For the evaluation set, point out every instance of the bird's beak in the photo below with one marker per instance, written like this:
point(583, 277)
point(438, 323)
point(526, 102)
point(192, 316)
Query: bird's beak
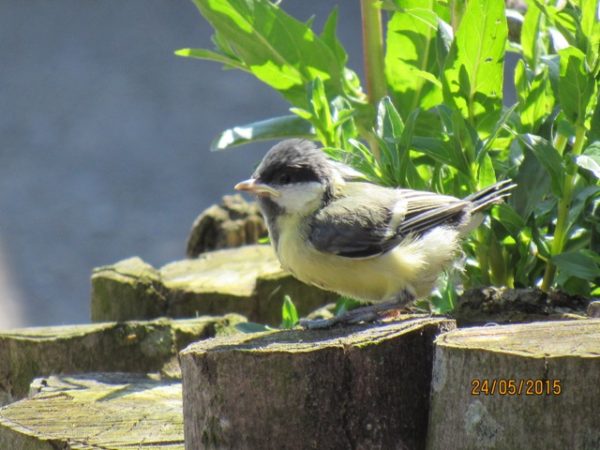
point(252, 187)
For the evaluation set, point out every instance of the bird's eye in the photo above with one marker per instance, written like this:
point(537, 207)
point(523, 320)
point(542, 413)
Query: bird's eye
point(283, 178)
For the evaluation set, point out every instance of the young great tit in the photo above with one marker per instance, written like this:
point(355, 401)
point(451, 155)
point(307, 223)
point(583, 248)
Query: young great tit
point(368, 242)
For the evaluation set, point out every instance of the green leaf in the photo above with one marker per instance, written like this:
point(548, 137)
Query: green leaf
point(389, 123)
point(200, 53)
point(289, 314)
point(252, 327)
point(509, 218)
point(594, 129)
point(474, 70)
point(548, 157)
point(345, 304)
point(590, 28)
point(486, 174)
point(533, 185)
point(329, 37)
point(278, 49)
point(498, 127)
point(581, 264)
point(575, 85)
point(321, 113)
point(445, 298)
point(590, 159)
point(275, 128)
point(535, 97)
point(531, 42)
point(411, 60)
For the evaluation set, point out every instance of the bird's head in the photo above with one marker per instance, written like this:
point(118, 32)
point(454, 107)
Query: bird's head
point(294, 177)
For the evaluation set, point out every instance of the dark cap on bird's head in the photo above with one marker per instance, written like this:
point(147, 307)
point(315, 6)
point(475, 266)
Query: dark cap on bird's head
point(290, 161)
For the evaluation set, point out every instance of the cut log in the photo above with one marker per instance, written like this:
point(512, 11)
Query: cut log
point(248, 280)
point(232, 223)
point(360, 387)
point(126, 347)
point(95, 411)
point(517, 386)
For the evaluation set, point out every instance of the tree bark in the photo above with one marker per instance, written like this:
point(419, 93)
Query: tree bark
point(517, 386)
point(360, 387)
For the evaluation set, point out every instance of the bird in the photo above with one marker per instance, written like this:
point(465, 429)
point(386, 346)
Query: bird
point(332, 228)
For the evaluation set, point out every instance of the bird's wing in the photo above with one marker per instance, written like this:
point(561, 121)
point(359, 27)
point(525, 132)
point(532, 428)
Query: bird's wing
point(427, 210)
point(372, 220)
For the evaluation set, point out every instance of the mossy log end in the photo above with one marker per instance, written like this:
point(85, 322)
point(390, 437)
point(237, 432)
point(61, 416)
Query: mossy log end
point(140, 347)
point(355, 387)
point(517, 386)
point(248, 280)
point(95, 411)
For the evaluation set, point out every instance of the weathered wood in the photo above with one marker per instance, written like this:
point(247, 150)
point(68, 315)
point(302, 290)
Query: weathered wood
point(126, 347)
point(248, 280)
point(130, 289)
point(479, 306)
point(232, 223)
point(360, 387)
point(95, 411)
point(517, 386)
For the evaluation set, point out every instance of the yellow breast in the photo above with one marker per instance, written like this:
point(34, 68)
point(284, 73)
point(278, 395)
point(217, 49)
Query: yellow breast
point(412, 264)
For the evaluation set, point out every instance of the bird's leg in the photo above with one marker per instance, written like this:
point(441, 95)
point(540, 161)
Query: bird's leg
point(371, 313)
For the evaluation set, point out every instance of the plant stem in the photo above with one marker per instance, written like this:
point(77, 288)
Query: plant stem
point(457, 11)
point(564, 204)
point(497, 263)
point(373, 56)
point(482, 252)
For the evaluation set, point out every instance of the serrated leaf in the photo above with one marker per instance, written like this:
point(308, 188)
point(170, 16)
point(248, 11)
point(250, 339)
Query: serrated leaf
point(575, 85)
point(580, 264)
point(278, 49)
point(474, 70)
point(549, 158)
point(275, 128)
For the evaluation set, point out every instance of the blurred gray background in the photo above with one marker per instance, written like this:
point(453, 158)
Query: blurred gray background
point(104, 138)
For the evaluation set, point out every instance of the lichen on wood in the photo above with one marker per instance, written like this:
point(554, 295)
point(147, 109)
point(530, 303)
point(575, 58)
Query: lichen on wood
point(95, 411)
point(363, 386)
point(517, 386)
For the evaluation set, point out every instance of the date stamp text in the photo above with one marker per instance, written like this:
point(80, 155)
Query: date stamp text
point(515, 387)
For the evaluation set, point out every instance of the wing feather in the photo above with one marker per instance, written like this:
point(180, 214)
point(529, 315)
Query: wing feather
point(373, 220)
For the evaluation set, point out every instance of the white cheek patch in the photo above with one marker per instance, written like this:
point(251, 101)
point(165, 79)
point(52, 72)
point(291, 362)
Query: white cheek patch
point(300, 197)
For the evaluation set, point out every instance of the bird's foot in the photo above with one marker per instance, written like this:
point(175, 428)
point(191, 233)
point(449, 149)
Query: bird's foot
point(368, 314)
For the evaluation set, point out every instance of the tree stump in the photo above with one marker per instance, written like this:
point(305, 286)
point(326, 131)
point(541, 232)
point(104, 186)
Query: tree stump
point(124, 347)
point(360, 387)
point(95, 411)
point(248, 280)
point(517, 386)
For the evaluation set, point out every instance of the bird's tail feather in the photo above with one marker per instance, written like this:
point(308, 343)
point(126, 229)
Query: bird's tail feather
point(491, 195)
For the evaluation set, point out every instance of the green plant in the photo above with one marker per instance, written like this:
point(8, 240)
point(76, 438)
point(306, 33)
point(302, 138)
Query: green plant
point(289, 319)
point(432, 116)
